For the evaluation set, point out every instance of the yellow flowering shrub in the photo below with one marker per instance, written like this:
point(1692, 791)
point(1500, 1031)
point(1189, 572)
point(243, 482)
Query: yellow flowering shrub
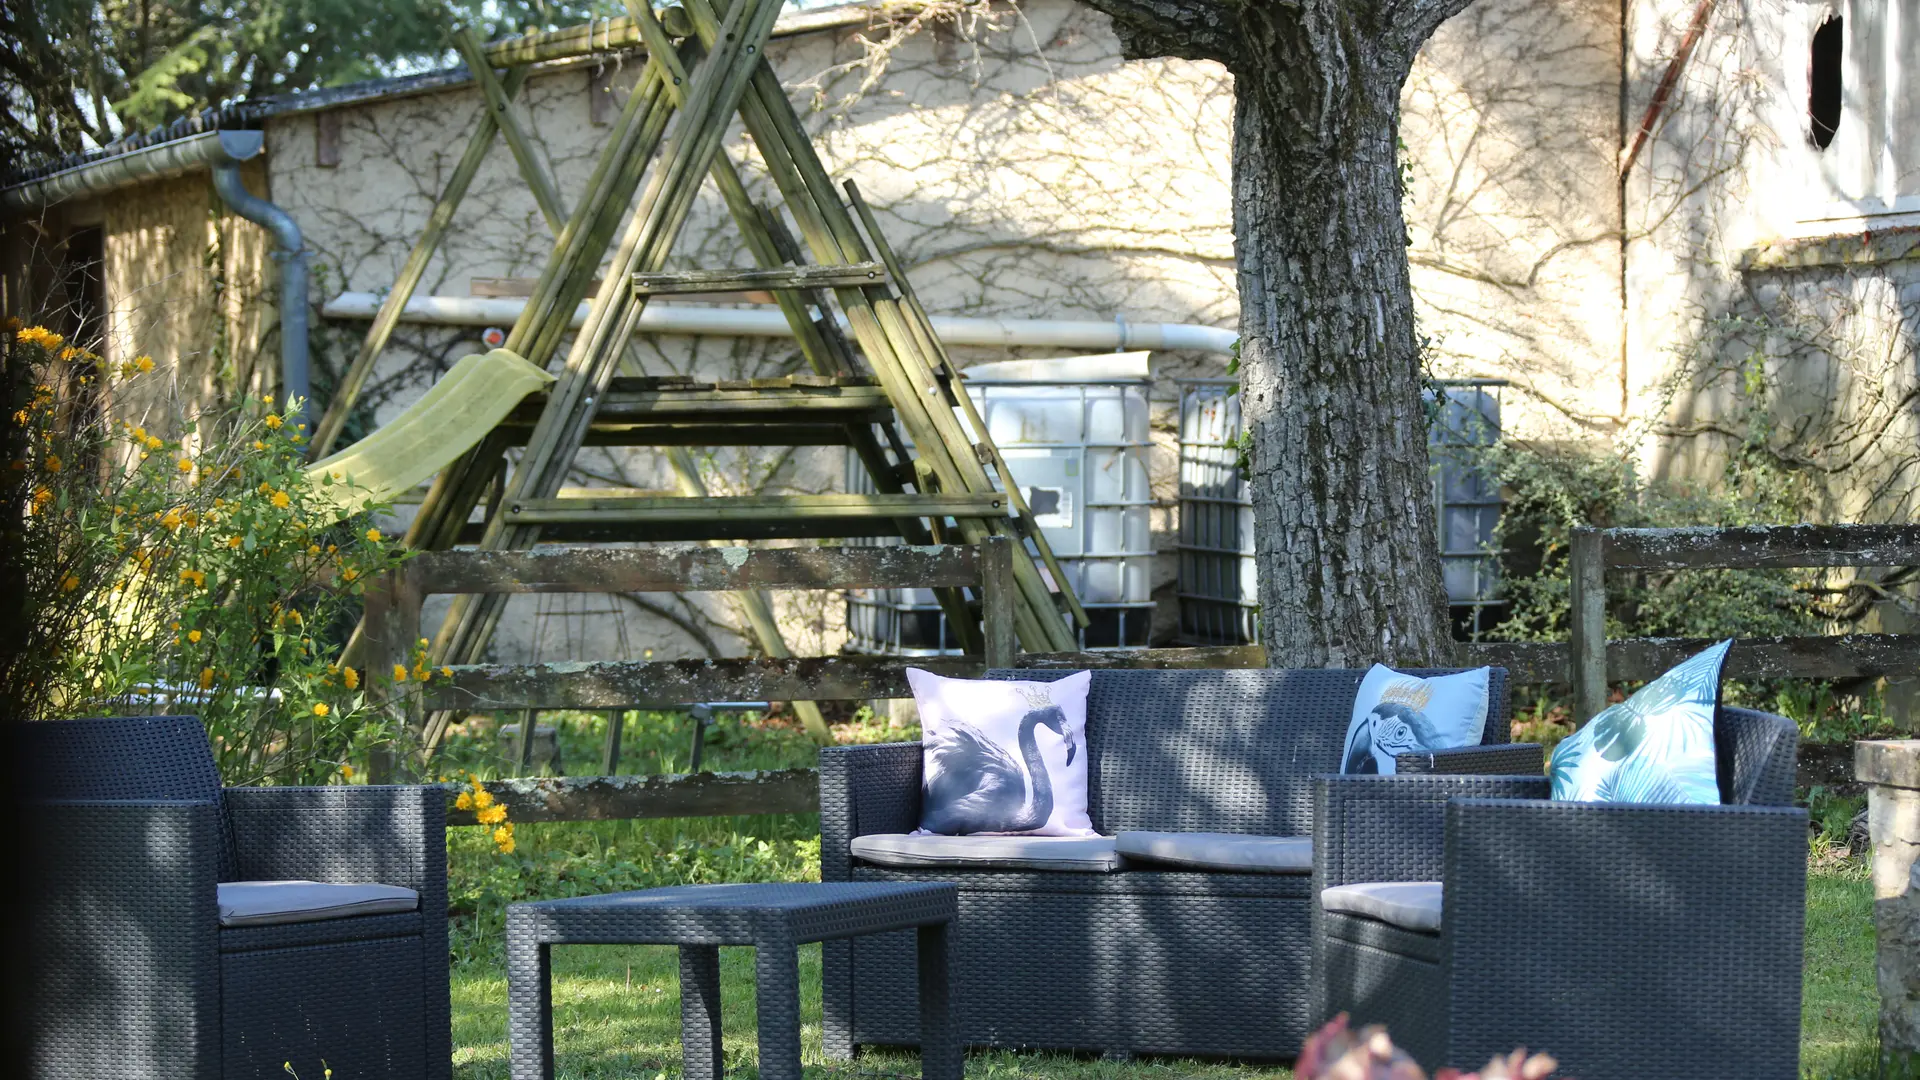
point(476, 798)
point(196, 571)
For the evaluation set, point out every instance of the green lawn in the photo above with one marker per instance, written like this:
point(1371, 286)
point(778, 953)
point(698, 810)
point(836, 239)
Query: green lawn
point(616, 1010)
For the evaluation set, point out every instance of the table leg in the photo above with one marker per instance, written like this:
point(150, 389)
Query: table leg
point(777, 1003)
point(700, 1011)
point(940, 1051)
point(529, 1006)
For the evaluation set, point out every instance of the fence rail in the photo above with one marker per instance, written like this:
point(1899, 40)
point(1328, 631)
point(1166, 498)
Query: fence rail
point(1592, 659)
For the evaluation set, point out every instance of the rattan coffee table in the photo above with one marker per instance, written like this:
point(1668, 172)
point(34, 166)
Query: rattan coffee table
point(775, 919)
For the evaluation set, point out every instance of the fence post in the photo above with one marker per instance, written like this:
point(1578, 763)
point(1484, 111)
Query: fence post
point(1586, 574)
point(378, 652)
point(996, 601)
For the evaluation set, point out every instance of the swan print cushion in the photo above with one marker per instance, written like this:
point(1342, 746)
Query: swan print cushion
point(1654, 747)
point(1003, 757)
point(1396, 713)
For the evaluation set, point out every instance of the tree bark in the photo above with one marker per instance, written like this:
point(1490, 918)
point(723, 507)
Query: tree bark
point(1330, 361)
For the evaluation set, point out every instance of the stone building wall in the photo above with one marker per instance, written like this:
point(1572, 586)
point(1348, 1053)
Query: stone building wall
point(1024, 170)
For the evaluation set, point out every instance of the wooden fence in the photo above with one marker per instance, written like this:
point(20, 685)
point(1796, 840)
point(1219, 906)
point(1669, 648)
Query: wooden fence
point(1595, 660)
point(1587, 662)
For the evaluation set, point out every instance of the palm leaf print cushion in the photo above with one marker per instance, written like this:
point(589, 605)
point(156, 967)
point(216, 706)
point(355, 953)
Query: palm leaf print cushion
point(1654, 747)
point(1003, 757)
point(1396, 713)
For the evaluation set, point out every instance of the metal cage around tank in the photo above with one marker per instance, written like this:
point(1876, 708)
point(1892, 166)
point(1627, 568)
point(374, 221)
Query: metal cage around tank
point(1079, 453)
point(1218, 598)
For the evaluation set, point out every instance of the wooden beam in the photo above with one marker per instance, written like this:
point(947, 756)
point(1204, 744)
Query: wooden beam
point(750, 508)
point(539, 180)
point(1587, 594)
point(404, 284)
point(671, 684)
point(701, 569)
point(620, 798)
point(1763, 547)
point(509, 287)
point(780, 277)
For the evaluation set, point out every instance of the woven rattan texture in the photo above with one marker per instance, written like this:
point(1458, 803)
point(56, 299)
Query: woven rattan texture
point(1375, 934)
point(1627, 940)
point(1390, 828)
point(1756, 753)
point(132, 757)
point(774, 918)
point(125, 974)
point(139, 981)
point(1511, 759)
point(1150, 961)
point(1220, 750)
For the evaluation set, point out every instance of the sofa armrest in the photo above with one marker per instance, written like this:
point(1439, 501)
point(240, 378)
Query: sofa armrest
point(865, 790)
point(393, 835)
point(1681, 924)
point(1498, 759)
point(123, 926)
point(1392, 828)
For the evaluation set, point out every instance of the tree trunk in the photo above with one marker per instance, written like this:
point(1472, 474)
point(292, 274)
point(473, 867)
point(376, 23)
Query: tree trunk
point(1330, 364)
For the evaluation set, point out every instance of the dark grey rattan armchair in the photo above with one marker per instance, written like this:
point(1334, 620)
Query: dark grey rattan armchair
point(1144, 958)
point(1628, 941)
point(136, 976)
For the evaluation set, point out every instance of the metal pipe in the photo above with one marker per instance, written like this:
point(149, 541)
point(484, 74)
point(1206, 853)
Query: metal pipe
point(291, 253)
point(741, 322)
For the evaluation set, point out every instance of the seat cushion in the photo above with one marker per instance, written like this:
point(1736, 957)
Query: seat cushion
point(1409, 905)
point(1084, 854)
point(267, 903)
point(1233, 852)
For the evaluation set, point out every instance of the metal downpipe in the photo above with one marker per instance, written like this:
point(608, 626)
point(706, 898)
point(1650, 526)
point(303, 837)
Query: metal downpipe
point(290, 252)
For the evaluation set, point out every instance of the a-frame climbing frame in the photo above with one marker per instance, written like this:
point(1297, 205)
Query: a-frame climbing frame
point(893, 375)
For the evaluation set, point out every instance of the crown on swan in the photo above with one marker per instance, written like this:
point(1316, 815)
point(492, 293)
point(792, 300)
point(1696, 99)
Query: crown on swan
point(1038, 697)
point(1414, 694)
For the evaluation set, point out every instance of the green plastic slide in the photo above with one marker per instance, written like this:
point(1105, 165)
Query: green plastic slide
point(457, 412)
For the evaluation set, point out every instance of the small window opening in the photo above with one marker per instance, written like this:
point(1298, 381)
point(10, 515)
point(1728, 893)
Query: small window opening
point(1823, 94)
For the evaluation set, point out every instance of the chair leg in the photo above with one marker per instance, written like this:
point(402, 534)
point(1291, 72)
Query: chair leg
point(700, 1011)
point(940, 1052)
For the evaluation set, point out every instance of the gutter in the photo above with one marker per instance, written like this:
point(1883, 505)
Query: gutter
point(289, 250)
point(161, 161)
point(698, 320)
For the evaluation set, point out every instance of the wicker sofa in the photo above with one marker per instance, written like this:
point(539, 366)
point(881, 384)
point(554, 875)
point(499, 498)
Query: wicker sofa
point(1627, 940)
point(149, 965)
point(1145, 958)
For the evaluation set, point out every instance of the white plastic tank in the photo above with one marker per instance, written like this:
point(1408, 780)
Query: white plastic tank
point(1075, 434)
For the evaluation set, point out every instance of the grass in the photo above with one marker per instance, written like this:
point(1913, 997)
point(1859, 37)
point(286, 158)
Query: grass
point(616, 1009)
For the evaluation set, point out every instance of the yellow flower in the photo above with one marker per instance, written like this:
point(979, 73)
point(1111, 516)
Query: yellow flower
point(349, 574)
point(184, 464)
point(373, 536)
point(234, 541)
point(313, 549)
point(492, 815)
point(482, 798)
point(192, 518)
point(194, 636)
point(503, 839)
point(346, 772)
point(69, 583)
point(463, 801)
point(39, 335)
point(421, 672)
point(331, 548)
point(41, 498)
point(140, 435)
point(274, 421)
point(320, 708)
point(351, 678)
point(171, 520)
point(446, 672)
point(264, 487)
point(258, 445)
point(206, 678)
point(54, 463)
point(399, 673)
point(281, 500)
point(143, 362)
point(154, 442)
